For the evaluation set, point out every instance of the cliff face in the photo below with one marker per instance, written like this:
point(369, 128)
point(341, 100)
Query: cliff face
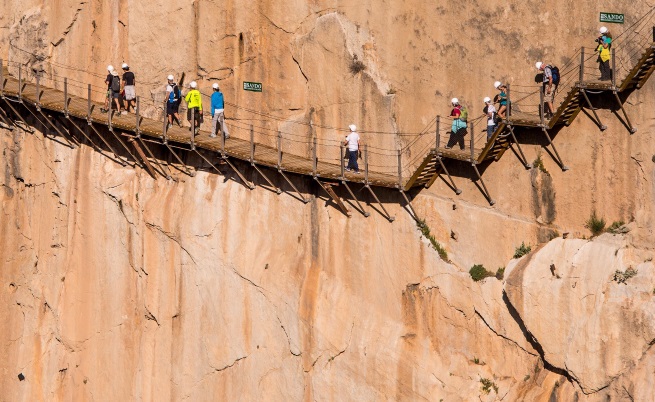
point(117, 286)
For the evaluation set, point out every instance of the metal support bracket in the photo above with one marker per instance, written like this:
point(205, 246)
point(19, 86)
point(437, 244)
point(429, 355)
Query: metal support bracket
point(409, 204)
point(558, 159)
point(13, 109)
point(523, 159)
point(375, 197)
point(45, 126)
point(270, 183)
point(486, 193)
point(599, 123)
point(457, 190)
point(359, 204)
point(625, 114)
point(165, 171)
point(118, 138)
point(243, 179)
point(144, 158)
point(281, 172)
point(115, 158)
point(328, 189)
point(187, 171)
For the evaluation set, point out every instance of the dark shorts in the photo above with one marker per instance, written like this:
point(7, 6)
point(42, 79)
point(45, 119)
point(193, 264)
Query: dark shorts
point(115, 94)
point(172, 108)
point(197, 113)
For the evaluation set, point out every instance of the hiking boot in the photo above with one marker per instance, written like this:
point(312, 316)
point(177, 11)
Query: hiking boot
point(168, 126)
point(124, 112)
point(212, 135)
point(103, 110)
point(227, 136)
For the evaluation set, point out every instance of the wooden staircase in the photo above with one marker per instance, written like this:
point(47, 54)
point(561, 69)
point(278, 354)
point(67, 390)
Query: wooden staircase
point(641, 71)
point(568, 110)
point(426, 173)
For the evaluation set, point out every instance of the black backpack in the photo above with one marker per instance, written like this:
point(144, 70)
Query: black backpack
point(556, 75)
point(115, 84)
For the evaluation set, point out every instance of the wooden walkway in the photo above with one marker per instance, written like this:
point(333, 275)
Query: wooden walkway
point(53, 100)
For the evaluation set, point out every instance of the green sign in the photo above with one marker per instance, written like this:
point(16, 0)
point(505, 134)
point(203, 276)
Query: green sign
point(252, 86)
point(611, 17)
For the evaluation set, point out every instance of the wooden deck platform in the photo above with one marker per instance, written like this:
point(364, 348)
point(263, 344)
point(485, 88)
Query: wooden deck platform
point(53, 100)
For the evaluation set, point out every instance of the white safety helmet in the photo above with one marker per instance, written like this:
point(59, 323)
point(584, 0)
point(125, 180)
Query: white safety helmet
point(486, 100)
point(352, 127)
point(538, 65)
point(193, 84)
point(497, 84)
point(171, 78)
point(110, 68)
point(125, 66)
point(454, 101)
point(215, 85)
point(603, 30)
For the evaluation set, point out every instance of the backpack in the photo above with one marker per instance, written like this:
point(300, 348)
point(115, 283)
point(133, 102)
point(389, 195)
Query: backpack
point(556, 75)
point(115, 84)
point(175, 95)
point(464, 114)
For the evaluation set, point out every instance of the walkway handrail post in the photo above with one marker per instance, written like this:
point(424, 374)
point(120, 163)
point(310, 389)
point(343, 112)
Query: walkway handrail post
point(2, 79)
point(341, 161)
point(366, 164)
point(581, 65)
point(136, 110)
point(193, 128)
point(88, 105)
point(400, 167)
point(472, 131)
point(20, 83)
point(314, 160)
point(542, 112)
point(653, 33)
point(66, 97)
point(252, 144)
point(165, 128)
point(509, 104)
point(613, 72)
point(109, 115)
point(279, 150)
point(38, 92)
point(437, 134)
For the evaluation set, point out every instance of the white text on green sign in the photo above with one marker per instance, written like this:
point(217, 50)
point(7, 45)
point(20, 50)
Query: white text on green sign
point(252, 86)
point(611, 17)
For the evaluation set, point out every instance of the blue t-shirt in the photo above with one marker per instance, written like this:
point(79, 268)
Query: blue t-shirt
point(217, 101)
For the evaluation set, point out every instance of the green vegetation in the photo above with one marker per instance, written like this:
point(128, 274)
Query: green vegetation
point(615, 226)
point(478, 362)
point(500, 274)
point(539, 164)
point(526, 378)
point(595, 224)
point(356, 66)
point(479, 272)
point(488, 385)
point(622, 277)
point(425, 231)
point(553, 235)
point(522, 250)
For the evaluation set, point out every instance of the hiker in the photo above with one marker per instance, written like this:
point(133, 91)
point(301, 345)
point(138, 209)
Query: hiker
point(194, 105)
point(604, 37)
point(108, 80)
point(173, 99)
point(458, 128)
point(548, 88)
point(604, 57)
point(501, 98)
point(116, 90)
point(128, 87)
point(352, 141)
point(490, 111)
point(218, 109)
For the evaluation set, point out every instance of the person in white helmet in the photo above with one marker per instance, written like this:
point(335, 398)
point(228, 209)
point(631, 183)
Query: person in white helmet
point(194, 105)
point(352, 141)
point(173, 99)
point(548, 88)
point(218, 109)
point(604, 37)
point(490, 111)
point(458, 127)
point(108, 81)
point(129, 87)
point(501, 98)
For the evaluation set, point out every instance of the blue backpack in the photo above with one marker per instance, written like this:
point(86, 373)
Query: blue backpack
point(175, 95)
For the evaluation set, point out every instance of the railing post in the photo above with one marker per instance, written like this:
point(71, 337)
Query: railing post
point(2, 79)
point(165, 128)
point(314, 160)
point(542, 112)
point(279, 150)
point(654, 34)
point(581, 65)
point(341, 161)
point(109, 115)
point(366, 164)
point(613, 72)
point(252, 144)
point(222, 144)
point(136, 110)
point(20, 83)
point(193, 128)
point(66, 97)
point(509, 104)
point(472, 131)
point(400, 166)
point(38, 92)
point(438, 132)
point(88, 105)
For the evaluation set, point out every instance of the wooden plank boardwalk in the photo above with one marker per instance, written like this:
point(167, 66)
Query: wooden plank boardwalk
point(54, 100)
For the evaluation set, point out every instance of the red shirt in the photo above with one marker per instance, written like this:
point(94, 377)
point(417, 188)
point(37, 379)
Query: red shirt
point(456, 112)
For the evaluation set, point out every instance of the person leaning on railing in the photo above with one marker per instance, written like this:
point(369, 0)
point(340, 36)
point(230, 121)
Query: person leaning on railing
point(604, 55)
point(352, 141)
point(458, 127)
point(194, 105)
point(549, 92)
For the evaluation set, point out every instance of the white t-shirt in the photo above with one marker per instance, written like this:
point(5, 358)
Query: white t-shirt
point(353, 141)
point(490, 120)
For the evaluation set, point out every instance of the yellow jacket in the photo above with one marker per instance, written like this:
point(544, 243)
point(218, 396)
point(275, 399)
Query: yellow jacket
point(194, 99)
point(605, 54)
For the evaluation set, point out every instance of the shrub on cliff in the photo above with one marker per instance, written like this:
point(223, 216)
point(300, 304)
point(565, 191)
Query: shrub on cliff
point(425, 231)
point(479, 272)
point(595, 224)
point(522, 250)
